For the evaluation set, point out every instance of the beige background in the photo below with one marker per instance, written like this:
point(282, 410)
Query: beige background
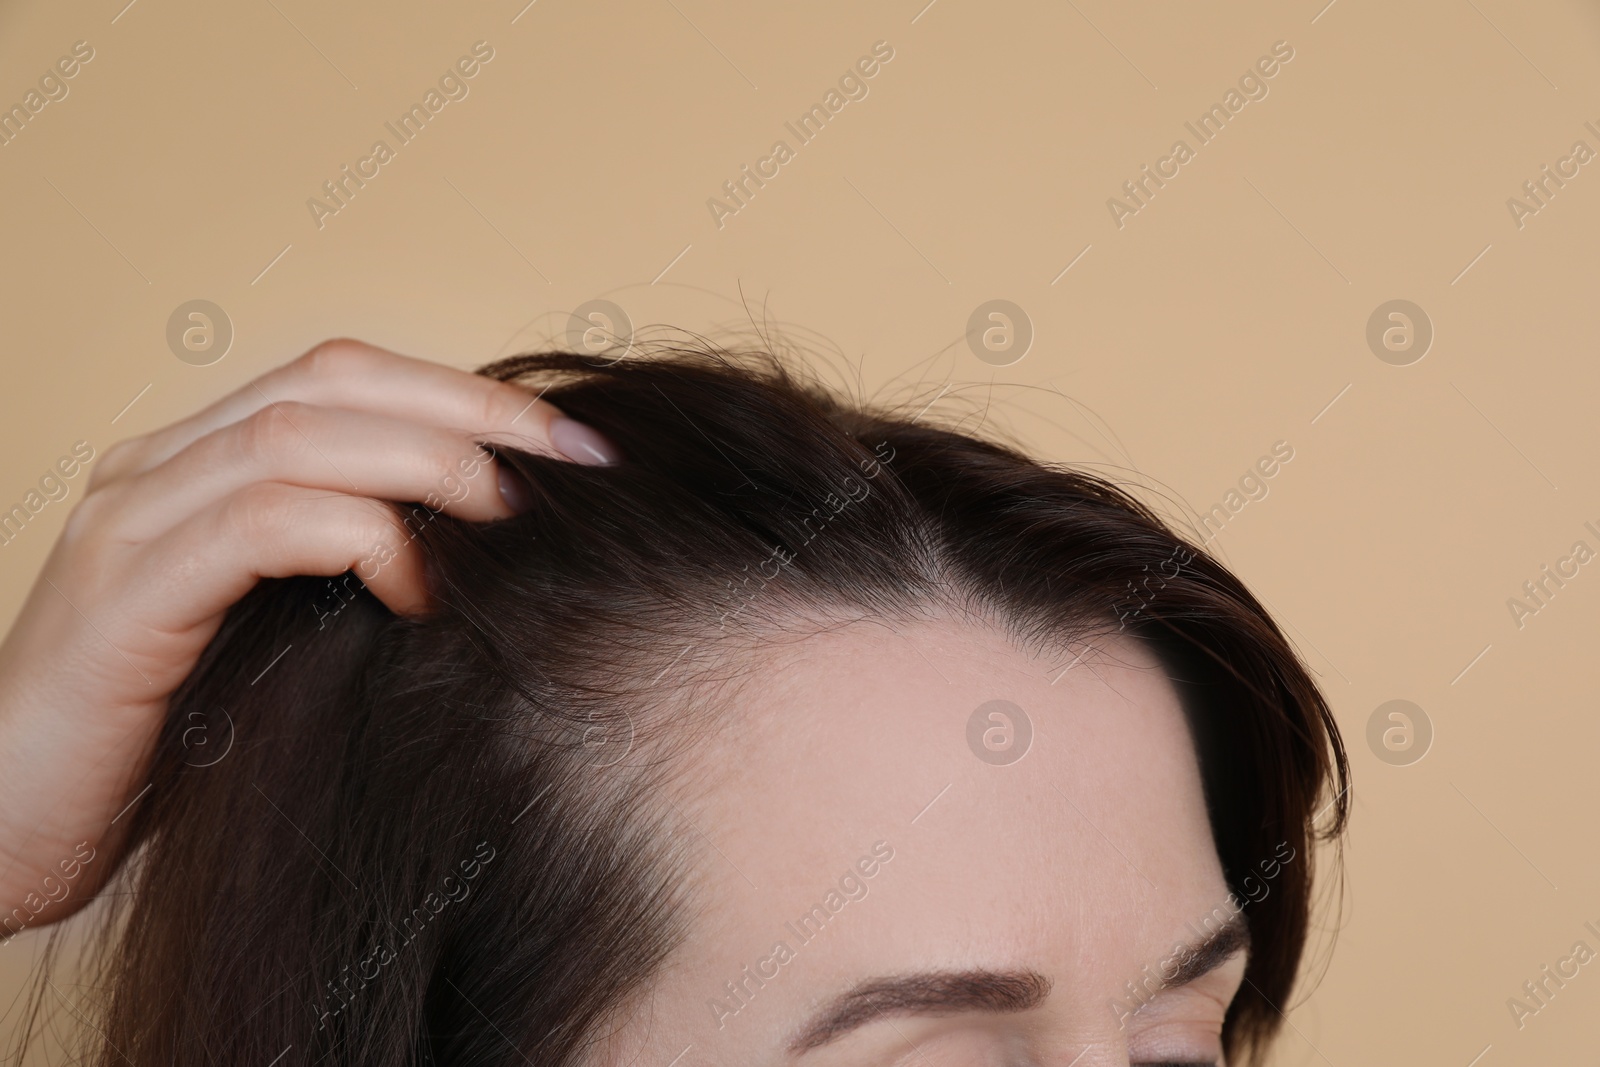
point(1226, 315)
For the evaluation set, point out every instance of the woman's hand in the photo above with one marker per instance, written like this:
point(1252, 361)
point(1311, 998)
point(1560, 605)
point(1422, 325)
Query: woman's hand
point(283, 477)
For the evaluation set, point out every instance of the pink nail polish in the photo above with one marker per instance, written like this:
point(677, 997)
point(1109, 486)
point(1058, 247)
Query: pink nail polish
point(514, 490)
point(581, 443)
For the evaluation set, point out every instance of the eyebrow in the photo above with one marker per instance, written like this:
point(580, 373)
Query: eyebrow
point(998, 992)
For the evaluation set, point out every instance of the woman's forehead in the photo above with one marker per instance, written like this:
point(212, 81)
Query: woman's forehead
point(1006, 789)
point(851, 819)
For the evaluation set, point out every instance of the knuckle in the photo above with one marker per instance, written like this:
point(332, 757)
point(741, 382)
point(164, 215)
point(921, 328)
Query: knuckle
point(333, 357)
point(271, 429)
point(253, 510)
point(296, 412)
point(119, 452)
point(449, 465)
point(443, 482)
point(506, 402)
point(87, 516)
point(121, 456)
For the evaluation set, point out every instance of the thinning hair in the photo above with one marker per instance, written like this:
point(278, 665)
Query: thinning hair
point(414, 855)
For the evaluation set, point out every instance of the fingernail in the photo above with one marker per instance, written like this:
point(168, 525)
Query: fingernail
point(582, 444)
point(514, 490)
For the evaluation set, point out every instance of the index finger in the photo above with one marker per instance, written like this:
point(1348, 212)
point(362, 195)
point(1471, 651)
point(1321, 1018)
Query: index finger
point(351, 374)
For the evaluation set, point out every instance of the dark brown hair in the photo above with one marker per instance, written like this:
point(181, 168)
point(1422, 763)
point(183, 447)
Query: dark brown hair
point(413, 854)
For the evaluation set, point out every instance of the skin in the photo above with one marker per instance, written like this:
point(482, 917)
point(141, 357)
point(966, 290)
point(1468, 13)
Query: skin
point(282, 477)
point(1084, 861)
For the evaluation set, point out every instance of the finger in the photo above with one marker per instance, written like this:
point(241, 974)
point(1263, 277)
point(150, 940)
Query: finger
point(362, 377)
point(271, 530)
point(317, 448)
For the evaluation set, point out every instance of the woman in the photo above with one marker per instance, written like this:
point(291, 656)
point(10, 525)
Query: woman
point(694, 717)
